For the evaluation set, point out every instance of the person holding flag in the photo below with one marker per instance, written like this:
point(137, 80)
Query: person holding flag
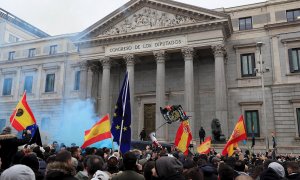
point(183, 137)
point(99, 132)
point(238, 134)
point(120, 128)
point(204, 148)
point(22, 116)
point(22, 119)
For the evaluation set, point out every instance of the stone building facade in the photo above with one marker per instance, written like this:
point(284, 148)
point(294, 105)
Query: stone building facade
point(212, 62)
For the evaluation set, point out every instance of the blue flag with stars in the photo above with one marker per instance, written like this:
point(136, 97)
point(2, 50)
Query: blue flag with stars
point(35, 134)
point(122, 112)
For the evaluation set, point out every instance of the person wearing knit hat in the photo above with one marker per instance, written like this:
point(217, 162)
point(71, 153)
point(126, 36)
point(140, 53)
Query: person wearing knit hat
point(6, 130)
point(278, 168)
point(18, 172)
point(275, 171)
point(168, 168)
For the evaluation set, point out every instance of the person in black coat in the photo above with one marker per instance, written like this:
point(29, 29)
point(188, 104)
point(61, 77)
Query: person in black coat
point(143, 135)
point(9, 146)
point(201, 134)
point(293, 170)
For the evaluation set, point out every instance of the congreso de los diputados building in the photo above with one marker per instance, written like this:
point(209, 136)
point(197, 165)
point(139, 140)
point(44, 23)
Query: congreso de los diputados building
point(215, 63)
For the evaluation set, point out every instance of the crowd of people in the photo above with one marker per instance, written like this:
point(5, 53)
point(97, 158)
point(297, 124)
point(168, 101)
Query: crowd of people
point(54, 162)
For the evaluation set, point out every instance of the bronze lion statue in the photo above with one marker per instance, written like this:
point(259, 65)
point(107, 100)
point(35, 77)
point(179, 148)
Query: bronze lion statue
point(217, 131)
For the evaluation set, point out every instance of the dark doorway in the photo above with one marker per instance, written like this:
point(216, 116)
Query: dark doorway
point(149, 118)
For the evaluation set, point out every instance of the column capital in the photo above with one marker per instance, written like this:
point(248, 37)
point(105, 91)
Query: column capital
point(129, 59)
point(160, 56)
point(219, 50)
point(106, 62)
point(83, 65)
point(188, 53)
point(95, 68)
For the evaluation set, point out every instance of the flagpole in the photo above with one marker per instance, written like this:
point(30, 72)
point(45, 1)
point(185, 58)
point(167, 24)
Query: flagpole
point(124, 105)
point(17, 110)
point(112, 140)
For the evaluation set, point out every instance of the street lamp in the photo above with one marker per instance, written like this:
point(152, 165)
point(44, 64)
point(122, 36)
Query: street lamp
point(261, 70)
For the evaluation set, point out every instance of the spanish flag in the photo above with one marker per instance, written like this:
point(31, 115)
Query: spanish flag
point(238, 134)
point(22, 117)
point(99, 132)
point(204, 148)
point(183, 137)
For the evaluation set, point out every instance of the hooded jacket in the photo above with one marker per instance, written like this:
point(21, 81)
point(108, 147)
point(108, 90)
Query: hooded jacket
point(209, 172)
point(9, 146)
point(60, 170)
point(169, 168)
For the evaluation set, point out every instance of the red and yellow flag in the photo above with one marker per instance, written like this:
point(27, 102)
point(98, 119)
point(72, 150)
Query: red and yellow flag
point(22, 117)
point(99, 132)
point(204, 148)
point(183, 137)
point(238, 134)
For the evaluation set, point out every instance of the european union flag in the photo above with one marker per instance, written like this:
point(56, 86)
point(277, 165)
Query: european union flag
point(122, 112)
point(35, 134)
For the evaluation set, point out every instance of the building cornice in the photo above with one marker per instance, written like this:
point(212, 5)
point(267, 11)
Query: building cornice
point(290, 40)
point(282, 25)
point(34, 41)
point(254, 6)
point(240, 46)
point(42, 57)
point(250, 103)
point(198, 27)
point(22, 24)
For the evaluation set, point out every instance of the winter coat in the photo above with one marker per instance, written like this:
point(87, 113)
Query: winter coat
point(294, 176)
point(128, 174)
point(60, 170)
point(209, 172)
point(202, 133)
point(9, 146)
point(81, 175)
point(270, 174)
point(169, 168)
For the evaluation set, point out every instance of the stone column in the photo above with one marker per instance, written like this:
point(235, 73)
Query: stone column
point(160, 57)
point(104, 106)
point(189, 102)
point(83, 80)
point(129, 59)
point(95, 68)
point(89, 82)
point(220, 87)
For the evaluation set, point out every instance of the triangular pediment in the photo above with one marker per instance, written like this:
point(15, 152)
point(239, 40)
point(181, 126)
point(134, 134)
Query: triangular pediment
point(147, 19)
point(149, 15)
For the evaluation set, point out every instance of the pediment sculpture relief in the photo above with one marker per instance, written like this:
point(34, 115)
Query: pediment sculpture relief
point(147, 18)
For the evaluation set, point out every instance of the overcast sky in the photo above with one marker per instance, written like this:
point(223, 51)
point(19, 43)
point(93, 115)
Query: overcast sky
point(69, 16)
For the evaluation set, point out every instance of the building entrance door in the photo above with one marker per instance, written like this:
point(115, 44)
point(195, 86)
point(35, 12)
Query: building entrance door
point(149, 118)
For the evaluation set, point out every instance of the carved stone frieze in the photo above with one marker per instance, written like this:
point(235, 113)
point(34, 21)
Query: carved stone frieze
point(219, 50)
point(106, 62)
point(188, 53)
point(148, 18)
point(160, 56)
point(129, 59)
